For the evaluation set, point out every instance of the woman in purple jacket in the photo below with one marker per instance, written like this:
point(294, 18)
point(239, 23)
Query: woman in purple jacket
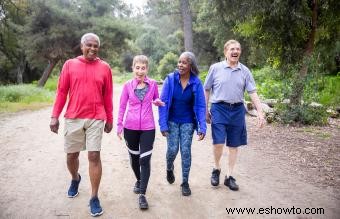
point(139, 127)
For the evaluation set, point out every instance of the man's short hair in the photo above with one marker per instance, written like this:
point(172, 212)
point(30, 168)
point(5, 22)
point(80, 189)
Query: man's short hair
point(227, 44)
point(89, 35)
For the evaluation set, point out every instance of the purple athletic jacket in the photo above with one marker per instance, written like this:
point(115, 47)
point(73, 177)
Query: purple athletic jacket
point(139, 115)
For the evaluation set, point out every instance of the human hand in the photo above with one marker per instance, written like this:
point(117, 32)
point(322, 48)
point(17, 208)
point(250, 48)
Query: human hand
point(108, 127)
point(158, 102)
point(261, 121)
point(54, 125)
point(120, 136)
point(165, 133)
point(208, 117)
point(200, 136)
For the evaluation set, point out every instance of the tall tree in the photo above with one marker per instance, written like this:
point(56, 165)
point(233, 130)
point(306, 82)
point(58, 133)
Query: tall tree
point(12, 18)
point(48, 32)
point(187, 25)
point(55, 28)
point(298, 85)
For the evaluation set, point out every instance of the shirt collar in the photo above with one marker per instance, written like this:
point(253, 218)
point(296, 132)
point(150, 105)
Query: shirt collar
point(226, 65)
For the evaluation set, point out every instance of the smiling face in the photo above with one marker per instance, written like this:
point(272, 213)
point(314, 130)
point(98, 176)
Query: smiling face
point(184, 65)
point(90, 48)
point(140, 70)
point(232, 53)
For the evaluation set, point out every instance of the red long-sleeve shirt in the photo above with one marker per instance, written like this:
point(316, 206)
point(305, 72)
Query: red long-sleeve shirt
point(88, 85)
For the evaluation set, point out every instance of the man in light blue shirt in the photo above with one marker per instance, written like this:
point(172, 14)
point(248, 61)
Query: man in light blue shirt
point(226, 83)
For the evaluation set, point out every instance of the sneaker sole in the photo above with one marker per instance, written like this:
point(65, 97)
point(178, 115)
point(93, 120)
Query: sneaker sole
point(233, 189)
point(70, 196)
point(214, 184)
point(143, 208)
point(96, 214)
point(171, 182)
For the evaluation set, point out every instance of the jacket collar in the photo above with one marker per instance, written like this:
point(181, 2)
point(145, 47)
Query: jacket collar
point(135, 81)
point(192, 78)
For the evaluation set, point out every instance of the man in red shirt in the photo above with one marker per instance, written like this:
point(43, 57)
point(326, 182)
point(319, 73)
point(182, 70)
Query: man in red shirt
point(87, 82)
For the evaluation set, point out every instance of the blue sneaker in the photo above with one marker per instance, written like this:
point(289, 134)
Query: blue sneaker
point(95, 208)
point(73, 190)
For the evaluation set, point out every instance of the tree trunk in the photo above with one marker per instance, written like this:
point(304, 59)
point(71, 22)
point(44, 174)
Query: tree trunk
point(187, 25)
point(298, 85)
point(21, 68)
point(47, 72)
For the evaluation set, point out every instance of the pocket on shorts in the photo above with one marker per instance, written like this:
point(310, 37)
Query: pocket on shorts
point(65, 130)
point(213, 113)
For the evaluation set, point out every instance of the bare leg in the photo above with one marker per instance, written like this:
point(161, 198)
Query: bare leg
point(72, 160)
point(232, 159)
point(95, 171)
point(218, 151)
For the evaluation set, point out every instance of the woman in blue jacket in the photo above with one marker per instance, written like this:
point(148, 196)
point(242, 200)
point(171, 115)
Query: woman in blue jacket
point(183, 112)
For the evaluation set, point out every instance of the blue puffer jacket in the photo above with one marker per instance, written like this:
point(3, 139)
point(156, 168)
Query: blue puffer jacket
point(199, 106)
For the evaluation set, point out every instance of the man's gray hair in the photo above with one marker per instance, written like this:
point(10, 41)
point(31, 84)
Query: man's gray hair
point(192, 61)
point(89, 35)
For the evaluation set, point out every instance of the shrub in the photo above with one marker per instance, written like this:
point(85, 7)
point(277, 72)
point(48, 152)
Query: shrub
point(167, 64)
point(304, 114)
point(203, 75)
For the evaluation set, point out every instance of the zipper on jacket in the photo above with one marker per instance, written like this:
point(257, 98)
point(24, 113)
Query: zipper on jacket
point(140, 115)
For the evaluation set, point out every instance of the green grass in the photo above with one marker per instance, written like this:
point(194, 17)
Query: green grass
point(15, 98)
point(52, 83)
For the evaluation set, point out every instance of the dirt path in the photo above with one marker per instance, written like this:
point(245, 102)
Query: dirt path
point(272, 172)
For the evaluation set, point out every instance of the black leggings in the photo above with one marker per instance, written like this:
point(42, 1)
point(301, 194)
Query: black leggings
point(140, 145)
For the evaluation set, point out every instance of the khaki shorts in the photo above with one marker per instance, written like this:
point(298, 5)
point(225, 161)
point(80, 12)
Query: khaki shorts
point(83, 134)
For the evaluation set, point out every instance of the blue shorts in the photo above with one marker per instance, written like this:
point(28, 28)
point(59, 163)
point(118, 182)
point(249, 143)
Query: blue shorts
point(228, 124)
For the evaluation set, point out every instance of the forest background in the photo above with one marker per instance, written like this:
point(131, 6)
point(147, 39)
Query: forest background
point(291, 46)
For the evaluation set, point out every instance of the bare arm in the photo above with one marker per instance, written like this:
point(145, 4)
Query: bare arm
point(260, 116)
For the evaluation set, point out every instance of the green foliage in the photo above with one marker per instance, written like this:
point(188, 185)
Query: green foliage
point(304, 114)
point(122, 78)
point(26, 93)
point(167, 64)
point(152, 44)
point(153, 73)
point(203, 75)
point(52, 83)
point(330, 95)
point(270, 84)
point(325, 90)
